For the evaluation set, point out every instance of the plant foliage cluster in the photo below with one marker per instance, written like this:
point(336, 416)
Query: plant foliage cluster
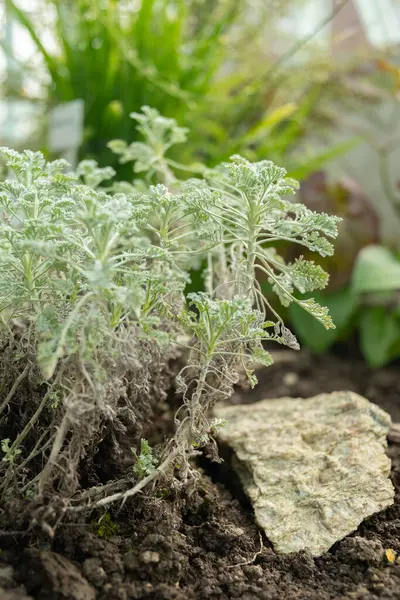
point(92, 307)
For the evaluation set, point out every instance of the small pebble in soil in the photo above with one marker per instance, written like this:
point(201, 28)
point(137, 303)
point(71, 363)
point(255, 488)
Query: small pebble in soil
point(390, 556)
point(149, 557)
point(290, 379)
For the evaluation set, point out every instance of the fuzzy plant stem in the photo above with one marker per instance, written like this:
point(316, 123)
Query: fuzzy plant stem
point(252, 234)
point(20, 438)
point(224, 291)
point(196, 400)
point(210, 275)
point(68, 322)
point(180, 449)
point(6, 483)
point(38, 449)
point(14, 388)
point(55, 451)
point(160, 470)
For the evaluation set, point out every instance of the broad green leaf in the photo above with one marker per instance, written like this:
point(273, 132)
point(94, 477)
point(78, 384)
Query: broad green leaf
point(291, 131)
point(376, 270)
point(342, 306)
point(262, 357)
point(269, 121)
point(385, 298)
point(315, 162)
point(379, 336)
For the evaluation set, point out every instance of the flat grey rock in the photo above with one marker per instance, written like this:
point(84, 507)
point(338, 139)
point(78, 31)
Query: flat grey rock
point(313, 468)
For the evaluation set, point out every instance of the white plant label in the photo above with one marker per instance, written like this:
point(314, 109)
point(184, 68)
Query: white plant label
point(66, 126)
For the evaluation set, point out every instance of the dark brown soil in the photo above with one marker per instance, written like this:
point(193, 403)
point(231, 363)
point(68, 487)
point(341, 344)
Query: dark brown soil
point(207, 546)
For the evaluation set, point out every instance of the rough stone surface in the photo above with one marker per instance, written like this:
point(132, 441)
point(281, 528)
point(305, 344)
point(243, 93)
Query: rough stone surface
point(313, 468)
point(54, 577)
point(18, 594)
point(6, 574)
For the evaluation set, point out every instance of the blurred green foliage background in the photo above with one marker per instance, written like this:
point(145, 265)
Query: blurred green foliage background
point(200, 61)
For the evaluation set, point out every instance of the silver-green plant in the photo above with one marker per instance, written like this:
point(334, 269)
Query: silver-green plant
point(92, 303)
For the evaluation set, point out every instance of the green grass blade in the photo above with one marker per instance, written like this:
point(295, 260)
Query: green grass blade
point(314, 163)
point(24, 21)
